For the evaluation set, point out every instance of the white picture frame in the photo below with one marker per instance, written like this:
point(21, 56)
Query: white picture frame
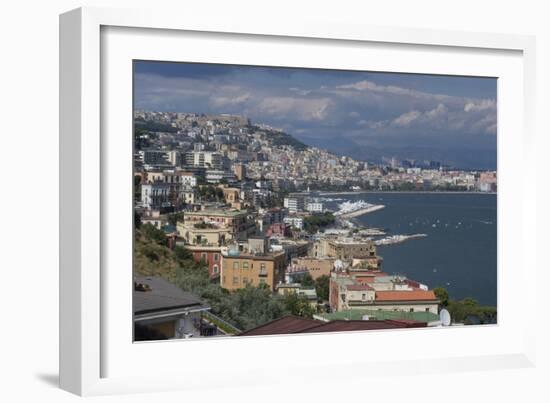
point(89, 316)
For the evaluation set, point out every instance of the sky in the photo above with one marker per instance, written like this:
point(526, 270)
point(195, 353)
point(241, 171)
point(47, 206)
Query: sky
point(366, 115)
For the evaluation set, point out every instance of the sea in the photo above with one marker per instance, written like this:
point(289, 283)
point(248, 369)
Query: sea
point(460, 249)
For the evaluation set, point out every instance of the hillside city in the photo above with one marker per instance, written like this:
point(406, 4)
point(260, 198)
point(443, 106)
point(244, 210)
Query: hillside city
point(233, 235)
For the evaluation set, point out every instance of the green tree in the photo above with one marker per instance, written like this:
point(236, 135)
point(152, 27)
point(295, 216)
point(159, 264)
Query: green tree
point(298, 305)
point(182, 253)
point(442, 295)
point(247, 307)
point(306, 281)
point(154, 233)
point(322, 287)
point(314, 222)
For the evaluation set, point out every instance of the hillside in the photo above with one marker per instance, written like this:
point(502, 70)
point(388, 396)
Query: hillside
point(280, 138)
point(153, 258)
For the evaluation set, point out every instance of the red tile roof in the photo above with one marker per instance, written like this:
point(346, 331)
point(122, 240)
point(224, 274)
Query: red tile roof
point(415, 295)
point(293, 325)
point(285, 325)
point(351, 325)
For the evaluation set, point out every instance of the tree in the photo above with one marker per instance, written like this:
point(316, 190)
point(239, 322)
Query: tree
point(174, 218)
point(314, 222)
point(442, 295)
point(137, 219)
point(322, 287)
point(182, 253)
point(298, 305)
point(154, 233)
point(245, 308)
point(306, 281)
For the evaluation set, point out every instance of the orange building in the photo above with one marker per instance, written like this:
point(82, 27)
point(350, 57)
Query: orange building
point(240, 270)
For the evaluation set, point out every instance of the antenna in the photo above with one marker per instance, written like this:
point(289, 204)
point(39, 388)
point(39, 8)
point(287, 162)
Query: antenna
point(445, 317)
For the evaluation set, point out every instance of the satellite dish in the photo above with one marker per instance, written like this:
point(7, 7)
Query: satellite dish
point(445, 317)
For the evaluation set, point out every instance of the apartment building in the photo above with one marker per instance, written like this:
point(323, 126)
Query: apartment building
point(204, 159)
point(379, 291)
point(241, 269)
point(215, 227)
point(210, 255)
point(294, 203)
point(343, 248)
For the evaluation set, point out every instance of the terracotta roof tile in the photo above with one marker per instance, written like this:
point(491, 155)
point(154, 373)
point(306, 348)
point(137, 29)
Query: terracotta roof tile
point(415, 295)
point(293, 324)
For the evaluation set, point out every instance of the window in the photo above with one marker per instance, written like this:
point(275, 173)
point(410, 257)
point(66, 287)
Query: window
point(235, 265)
point(245, 265)
point(235, 280)
point(411, 310)
point(203, 256)
point(427, 309)
point(363, 296)
point(215, 269)
point(216, 257)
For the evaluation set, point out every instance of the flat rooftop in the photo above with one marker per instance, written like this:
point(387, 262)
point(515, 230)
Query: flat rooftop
point(159, 295)
point(358, 314)
point(224, 213)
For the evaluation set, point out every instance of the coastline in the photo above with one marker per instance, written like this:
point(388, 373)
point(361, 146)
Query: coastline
point(331, 193)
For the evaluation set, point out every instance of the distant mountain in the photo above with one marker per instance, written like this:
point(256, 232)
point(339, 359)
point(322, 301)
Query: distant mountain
point(462, 156)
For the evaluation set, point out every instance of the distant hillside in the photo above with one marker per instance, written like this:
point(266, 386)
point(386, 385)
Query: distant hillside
point(278, 138)
point(152, 126)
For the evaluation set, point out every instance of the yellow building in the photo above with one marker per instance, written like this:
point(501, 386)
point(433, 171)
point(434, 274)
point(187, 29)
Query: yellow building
point(204, 234)
point(315, 266)
point(215, 227)
point(239, 270)
point(343, 248)
point(231, 195)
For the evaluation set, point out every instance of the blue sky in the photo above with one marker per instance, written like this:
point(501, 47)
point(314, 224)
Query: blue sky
point(367, 115)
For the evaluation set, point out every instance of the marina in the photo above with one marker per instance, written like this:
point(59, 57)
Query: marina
point(358, 208)
point(459, 251)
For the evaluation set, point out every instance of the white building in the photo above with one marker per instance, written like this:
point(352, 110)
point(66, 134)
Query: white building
point(294, 204)
point(188, 179)
point(169, 176)
point(204, 159)
point(296, 222)
point(314, 207)
point(156, 194)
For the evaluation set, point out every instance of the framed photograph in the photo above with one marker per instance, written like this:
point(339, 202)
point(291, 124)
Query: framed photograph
point(245, 192)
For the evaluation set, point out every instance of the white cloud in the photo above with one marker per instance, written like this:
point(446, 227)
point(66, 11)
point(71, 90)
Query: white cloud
point(369, 86)
point(301, 108)
point(406, 119)
point(377, 109)
point(221, 101)
point(480, 105)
